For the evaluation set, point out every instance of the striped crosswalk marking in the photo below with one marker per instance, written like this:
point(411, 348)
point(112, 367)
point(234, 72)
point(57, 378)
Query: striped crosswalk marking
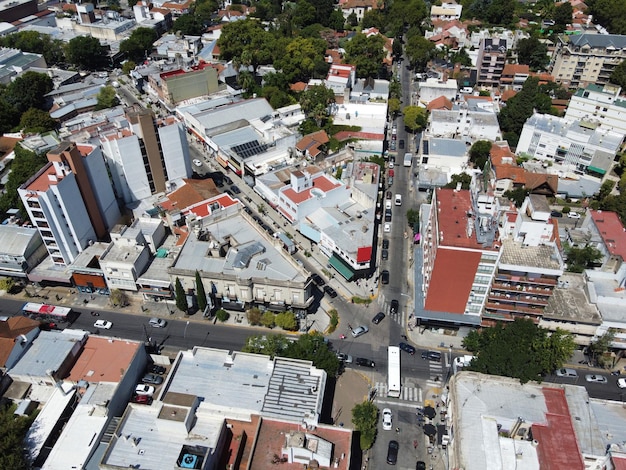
point(406, 394)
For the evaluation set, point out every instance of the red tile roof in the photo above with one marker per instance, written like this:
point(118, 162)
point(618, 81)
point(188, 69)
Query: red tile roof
point(440, 103)
point(612, 232)
point(192, 192)
point(451, 281)
point(558, 446)
point(202, 209)
point(512, 69)
point(312, 142)
point(298, 86)
point(320, 182)
point(11, 329)
point(104, 360)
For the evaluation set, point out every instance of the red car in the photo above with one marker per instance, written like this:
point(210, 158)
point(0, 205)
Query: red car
point(142, 399)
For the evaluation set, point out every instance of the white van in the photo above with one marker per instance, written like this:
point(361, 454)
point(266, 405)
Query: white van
point(398, 199)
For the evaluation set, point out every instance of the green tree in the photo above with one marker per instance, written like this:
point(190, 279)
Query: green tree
point(618, 76)
point(315, 101)
point(37, 121)
point(419, 51)
point(373, 19)
point(118, 298)
point(599, 349)
point(365, 420)
point(107, 98)
point(495, 12)
point(352, 19)
point(13, 429)
point(413, 217)
point(313, 347)
point(7, 285)
point(9, 117)
point(29, 91)
point(404, 13)
point(479, 153)
point(301, 57)
point(518, 349)
point(86, 52)
point(268, 319)
point(287, 321)
point(393, 105)
point(463, 178)
point(128, 66)
point(222, 315)
point(533, 53)
point(181, 296)
point(247, 42)
point(189, 25)
point(609, 13)
point(517, 195)
point(562, 17)
point(139, 45)
point(200, 293)
point(270, 345)
point(366, 53)
point(415, 118)
point(204, 10)
point(254, 316)
point(25, 164)
point(579, 259)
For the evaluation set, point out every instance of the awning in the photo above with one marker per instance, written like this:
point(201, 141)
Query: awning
point(595, 169)
point(341, 266)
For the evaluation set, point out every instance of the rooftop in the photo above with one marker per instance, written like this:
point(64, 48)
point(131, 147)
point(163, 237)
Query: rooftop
point(612, 232)
point(15, 239)
point(104, 360)
point(545, 257)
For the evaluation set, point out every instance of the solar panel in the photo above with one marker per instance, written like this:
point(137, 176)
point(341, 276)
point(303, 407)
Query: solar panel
point(249, 149)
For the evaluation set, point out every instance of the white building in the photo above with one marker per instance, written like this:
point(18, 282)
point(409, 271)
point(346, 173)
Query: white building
point(471, 120)
point(599, 104)
point(447, 155)
point(71, 201)
point(446, 12)
point(433, 88)
point(581, 146)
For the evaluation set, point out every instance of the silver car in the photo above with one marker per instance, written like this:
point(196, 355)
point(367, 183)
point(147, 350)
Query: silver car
point(599, 379)
point(566, 373)
point(359, 331)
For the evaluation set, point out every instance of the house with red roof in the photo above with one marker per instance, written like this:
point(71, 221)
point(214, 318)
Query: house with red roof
point(312, 145)
point(609, 236)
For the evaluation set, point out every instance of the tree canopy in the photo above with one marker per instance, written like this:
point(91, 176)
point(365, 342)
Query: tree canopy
point(315, 101)
point(366, 53)
point(38, 43)
point(25, 164)
point(36, 121)
point(479, 153)
point(415, 118)
point(107, 98)
point(247, 43)
point(189, 24)
point(518, 349)
point(86, 52)
point(609, 13)
point(13, 430)
point(533, 53)
point(365, 420)
point(618, 76)
point(139, 44)
point(579, 259)
point(29, 91)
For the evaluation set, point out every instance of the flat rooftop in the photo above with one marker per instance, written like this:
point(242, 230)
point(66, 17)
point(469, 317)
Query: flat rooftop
point(104, 360)
point(569, 302)
point(543, 257)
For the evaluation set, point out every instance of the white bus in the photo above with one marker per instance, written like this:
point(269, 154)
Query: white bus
point(393, 372)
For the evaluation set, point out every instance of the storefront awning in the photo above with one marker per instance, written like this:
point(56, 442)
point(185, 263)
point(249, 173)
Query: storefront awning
point(341, 266)
point(595, 169)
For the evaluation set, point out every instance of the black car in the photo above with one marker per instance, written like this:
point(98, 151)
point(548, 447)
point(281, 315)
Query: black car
point(317, 279)
point(384, 277)
point(431, 356)
point(152, 379)
point(156, 369)
point(420, 465)
point(227, 179)
point(401, 144)
point(330, 291)
point(394, 306)
point(406, 347)
point(385, 254)
point(385, 244)
point(247, 210)
point(380, 316)
point(229, 192)
point(556, 214)
point(387, 215)
point(392, 452)
point(235, 189)
point(361, 361)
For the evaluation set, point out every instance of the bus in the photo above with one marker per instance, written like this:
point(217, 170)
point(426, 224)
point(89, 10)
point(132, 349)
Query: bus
point(393, 372)
point(48, 313)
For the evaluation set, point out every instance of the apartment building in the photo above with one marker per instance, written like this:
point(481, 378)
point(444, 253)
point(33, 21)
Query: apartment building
point(599, 104)
point(583, 59)
point(491, 61)
point(71, 201)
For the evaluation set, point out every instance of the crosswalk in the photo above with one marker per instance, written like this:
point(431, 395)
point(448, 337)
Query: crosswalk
point(400, 318)
point(407, 393)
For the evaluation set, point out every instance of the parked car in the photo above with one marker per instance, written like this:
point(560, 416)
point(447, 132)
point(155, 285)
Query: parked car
point(392, 452)
point(556, 214)
point(142, 399)
point(361, 361)
point(235, 189)
point(384, 277)
point(384, 254)
point(387, 215)
point(143, 389)
point(317, 279)
point(573, 215)
point(359, 331)
point(621, 383)
point(420, 465)
point(385, 243)
point(153, 379)
point(566, 373)
point(330, 291)
point(598, 379)
point(401, 144)
point(388, 195)
point(387, 420)
point(431, 355)
point(346, 358)
point(406, 347)
point(197, 162)
point(387, 228)
point(104, 324)
point(380, 316)
point(157, 322)
point(227, 179)
point(156, 369)
point(394, 306)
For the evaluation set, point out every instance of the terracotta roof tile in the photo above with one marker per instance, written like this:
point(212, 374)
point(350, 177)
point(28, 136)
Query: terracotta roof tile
point(612, 232)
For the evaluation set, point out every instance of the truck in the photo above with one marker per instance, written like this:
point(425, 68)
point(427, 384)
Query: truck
point(408, 159)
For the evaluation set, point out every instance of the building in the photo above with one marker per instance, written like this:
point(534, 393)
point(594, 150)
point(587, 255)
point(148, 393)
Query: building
point(179, 85)
point(16, 335)
point(146, 156)
point(313, 145)
point(12, 10)
point(599, 104)
point(584, 59)
point(514, 76)
point(238, 261)
point(13, 61)
point(582, 147)
point(446, 12)
point(491, 60)
point(22, 249)
point(359, 8)
point(459, 256)
point(470, 120)
point(450, 156)
point(433, 88)
point(608, 235)
point(530, 264)
point(71, 201)
point(497, 423)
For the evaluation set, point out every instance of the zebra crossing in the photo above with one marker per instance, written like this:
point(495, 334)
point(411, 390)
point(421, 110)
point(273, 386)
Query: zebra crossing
point(399, 318)
point(406, 393)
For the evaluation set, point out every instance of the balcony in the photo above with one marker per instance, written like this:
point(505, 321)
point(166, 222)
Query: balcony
point(537, 281)
point(517, 288)
point(516, 299)
point(497, 307)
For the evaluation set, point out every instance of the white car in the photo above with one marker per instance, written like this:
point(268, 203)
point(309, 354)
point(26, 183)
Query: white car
point(359, 331)
point(391, 164)
point(599, 379)
point(387, 422)
point(387, 228)
point(104, 324)
point(197, 162)
point(143, 389)
point(573, 215)
point(621, 383)
point(566, 373)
